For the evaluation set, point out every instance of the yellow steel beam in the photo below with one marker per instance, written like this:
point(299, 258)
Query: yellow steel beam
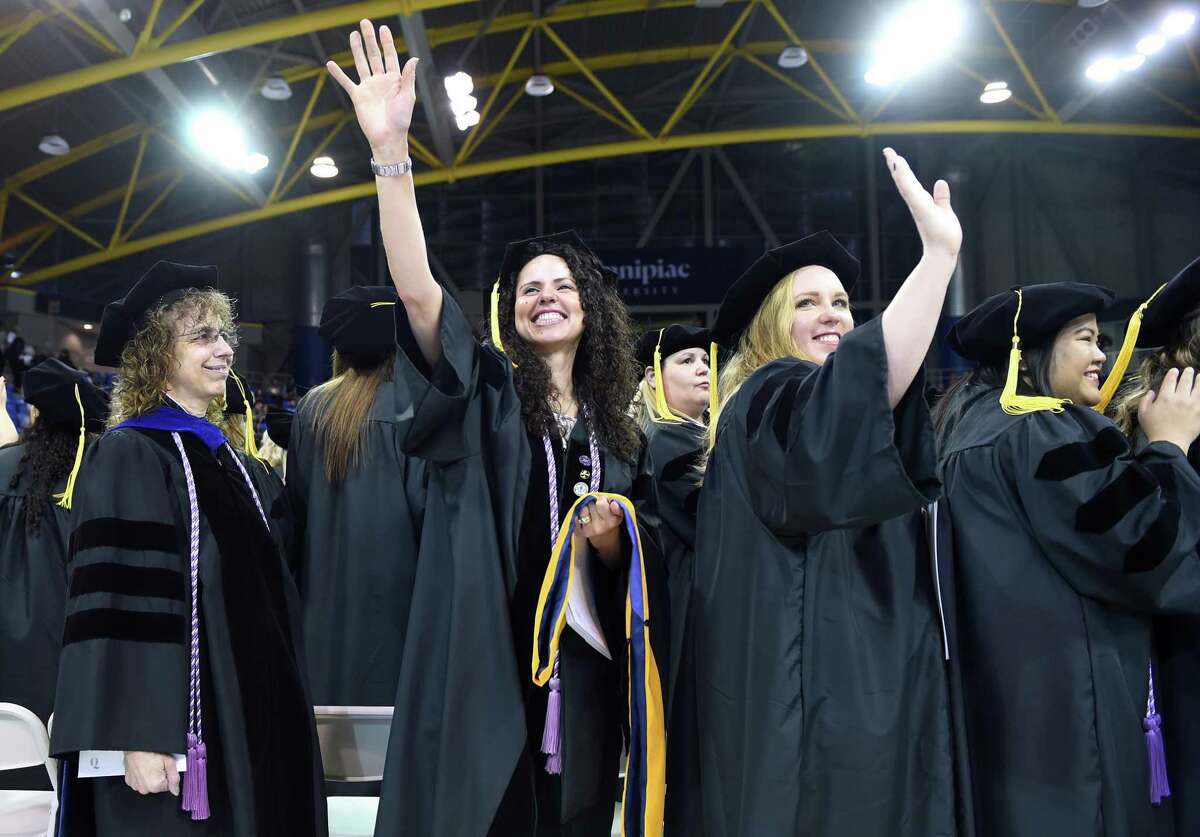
point(1018, 60)
point(887, 100)
point(81, 210)
point(423, 153)
point(517, 93)
point(812, 58)
point(687, 100)
point(271, 30)
point(575, 95)
point(1163, 97)
point(312, 155)
point(20, 30)
point(62, 222)
point(599, 85)
point(1015, 99)
point(299, 132)
point(465, 148)
point(80, 152)
point(608, 150)
point(722, 66)
point(98, 37)
point(748, 54)
point(183, 17)
point(133, 179)
point(148, 29)
point(154, 205)
point(3, 209)
point(34, 247)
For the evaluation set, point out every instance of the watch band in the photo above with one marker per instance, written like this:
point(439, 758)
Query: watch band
point(392, 169)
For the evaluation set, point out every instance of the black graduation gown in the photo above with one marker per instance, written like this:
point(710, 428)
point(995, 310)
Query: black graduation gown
point(1064, 546)
point(466, 762)
point(274, 499)
point(123, 677)
point(33, 600)
point(355, 556)
point(821, 687)
point(674, 450)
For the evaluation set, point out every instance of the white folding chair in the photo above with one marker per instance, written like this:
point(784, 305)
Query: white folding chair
point(354, 743)
point(25, 742)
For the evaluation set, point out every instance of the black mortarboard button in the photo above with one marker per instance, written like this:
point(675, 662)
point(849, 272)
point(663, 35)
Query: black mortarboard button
point(163, 284)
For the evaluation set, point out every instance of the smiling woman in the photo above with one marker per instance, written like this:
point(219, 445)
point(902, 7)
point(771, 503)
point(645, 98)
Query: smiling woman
point(181, 619)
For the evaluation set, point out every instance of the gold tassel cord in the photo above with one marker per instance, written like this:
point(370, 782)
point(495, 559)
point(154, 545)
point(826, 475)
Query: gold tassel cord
point(1019, 405)
point(64, 499)
point(660, 392)
point(495, 319)
point(1121, 364)
point(251, 446)
point(712, 382)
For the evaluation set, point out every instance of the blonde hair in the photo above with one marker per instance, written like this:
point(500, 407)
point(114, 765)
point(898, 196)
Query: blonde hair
point(1183, 351)
point(234, 428)
point(338, 409)
point(272, 454)
point(767, 338)
point(148, 359)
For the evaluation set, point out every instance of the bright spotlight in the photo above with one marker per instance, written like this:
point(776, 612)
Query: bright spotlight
point(254, 162)
point(459, 84)
point(1177, 23)
point(1151, 44)
point(921, 33)
point(88, 326)
point(216, 134)
point(995, 92)
point(1131, 62)
point(1104, 70)
point(467, 120)
point(324, 168)
point(463, 104)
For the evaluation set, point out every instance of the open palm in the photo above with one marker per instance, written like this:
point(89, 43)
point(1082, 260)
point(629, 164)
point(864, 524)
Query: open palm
point(385, 94)
point(936, 222)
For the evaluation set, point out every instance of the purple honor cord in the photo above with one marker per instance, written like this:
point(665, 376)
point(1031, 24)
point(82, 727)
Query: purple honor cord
point(195, 778)
point(1152, 725)
point(552, 729)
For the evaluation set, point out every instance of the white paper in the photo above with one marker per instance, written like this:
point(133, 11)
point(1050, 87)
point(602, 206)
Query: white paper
point(581, 603)
point(95, 764)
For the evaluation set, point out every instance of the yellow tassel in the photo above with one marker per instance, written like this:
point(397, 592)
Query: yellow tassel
point(1113, 381)
point(496, 341)
point(1019, 405)
point(64, 499)
point(712, 382)
point(660, 393)
point(250, 445)
point(380, 304)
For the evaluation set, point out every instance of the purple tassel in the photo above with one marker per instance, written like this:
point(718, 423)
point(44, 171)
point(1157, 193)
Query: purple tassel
point(1159, 788)
point(551, 734)
point(195, 779)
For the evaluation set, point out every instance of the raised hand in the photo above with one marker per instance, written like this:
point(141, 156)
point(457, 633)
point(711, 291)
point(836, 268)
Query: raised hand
point(1172, 413)
point(385, 94)
point(936, 222)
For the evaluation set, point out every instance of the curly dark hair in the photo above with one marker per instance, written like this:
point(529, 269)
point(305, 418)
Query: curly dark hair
point(605, 372)
point(46, 461)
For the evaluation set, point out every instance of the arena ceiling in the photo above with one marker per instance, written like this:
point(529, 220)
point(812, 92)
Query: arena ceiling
point(121, 79)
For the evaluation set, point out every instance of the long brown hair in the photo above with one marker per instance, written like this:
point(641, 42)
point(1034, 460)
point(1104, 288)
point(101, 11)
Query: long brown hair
point(1181, 352)
point(605, 373)
point(148, 360)
point(338, 409)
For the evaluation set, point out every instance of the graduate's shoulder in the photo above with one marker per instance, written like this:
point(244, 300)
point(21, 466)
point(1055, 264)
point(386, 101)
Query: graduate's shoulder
point(10, 465)
point(986, 425)
point(130, 446)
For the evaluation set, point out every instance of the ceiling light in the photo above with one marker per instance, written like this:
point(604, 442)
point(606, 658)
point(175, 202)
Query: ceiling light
point(459, 84)
point(276, 89)
point(995, 92)
point(1151, 44)
point(87, 326)
point(539, 85)
point(54, 145)
point(324, 168)
point(467, 120)
point(922, 32)
point(1129, 63)
point(463, 104)
point(793, 57)
point(1104, 70)
point(125, 15)
point(1177, 23)
point(16, 274)
point(254, 162)
point(217, 134)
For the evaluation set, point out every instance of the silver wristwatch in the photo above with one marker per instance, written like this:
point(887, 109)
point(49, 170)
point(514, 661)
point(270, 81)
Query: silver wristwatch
point(392, 169)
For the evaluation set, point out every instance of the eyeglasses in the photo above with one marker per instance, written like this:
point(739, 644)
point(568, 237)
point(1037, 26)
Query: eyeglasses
point(209, 336)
